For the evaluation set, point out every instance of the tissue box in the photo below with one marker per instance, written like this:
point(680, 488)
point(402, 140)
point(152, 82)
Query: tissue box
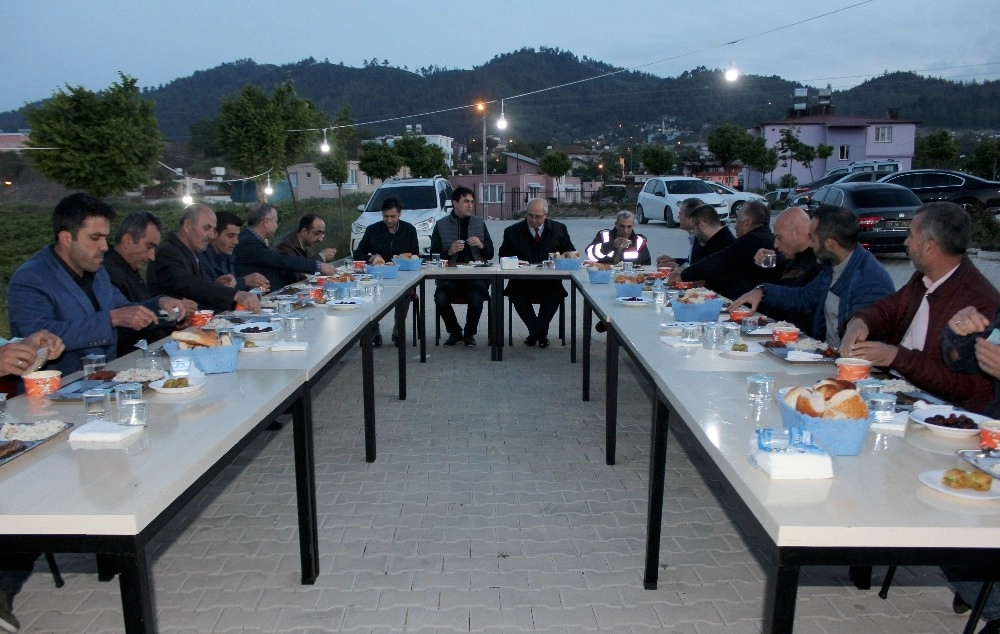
point(788, 454)
point(568, 264)
point(508, 264)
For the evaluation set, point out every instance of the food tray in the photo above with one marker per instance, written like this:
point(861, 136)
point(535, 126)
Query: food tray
point(782, 353)
point(74, 391)
point(30, 444)
point(988, 461)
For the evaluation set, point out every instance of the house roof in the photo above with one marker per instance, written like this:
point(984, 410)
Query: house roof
point(838, 121)
point(521, 157)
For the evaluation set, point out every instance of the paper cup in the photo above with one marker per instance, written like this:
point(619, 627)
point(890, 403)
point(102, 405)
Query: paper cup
point(739, 314)
point(989, 434)
point(851, 369)
point(43, 383)
point(201, 317)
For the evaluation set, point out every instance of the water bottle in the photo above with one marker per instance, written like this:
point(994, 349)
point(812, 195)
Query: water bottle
point(659, 294)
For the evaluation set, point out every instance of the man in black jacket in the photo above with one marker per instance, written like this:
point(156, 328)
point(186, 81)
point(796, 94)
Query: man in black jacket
point(532, 240)
point(254, 256)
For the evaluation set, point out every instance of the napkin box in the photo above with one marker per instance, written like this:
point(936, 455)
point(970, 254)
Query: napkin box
point(508, 264)
point(788, 454)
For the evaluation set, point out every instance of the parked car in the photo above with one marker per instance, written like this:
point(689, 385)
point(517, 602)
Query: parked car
point(424, 201)
point(778, 199)
point(971, 192)
point(735, 199)
point(801, 200)
point(661, 196)
point(884, 211)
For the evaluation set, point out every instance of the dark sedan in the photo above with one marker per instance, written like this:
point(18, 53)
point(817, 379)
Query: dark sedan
point(971, 192)
point(884, 211)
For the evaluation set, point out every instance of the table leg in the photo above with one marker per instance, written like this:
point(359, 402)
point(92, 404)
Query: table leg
point(587, 325)
point(611, 396)
point(136, 591)
point(496, 305)
point(572, 322)
point(368, 388)
point(657, 475)
point(401, 308)
point(779, 598)
point(305, 485)
point(420, 322)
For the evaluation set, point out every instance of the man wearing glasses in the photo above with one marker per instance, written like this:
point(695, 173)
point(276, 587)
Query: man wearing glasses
point(311, 231)
point(252, 253)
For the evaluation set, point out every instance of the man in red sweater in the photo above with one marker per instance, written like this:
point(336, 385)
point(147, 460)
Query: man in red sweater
point(903, 331)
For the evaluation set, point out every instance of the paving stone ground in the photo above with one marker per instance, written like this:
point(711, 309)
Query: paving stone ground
point(489, 508)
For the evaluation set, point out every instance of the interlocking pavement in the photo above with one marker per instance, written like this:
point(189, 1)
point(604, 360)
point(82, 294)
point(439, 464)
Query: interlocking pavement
point(489, 508)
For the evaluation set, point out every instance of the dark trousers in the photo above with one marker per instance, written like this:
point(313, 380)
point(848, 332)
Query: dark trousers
point(474, 292)
point(547, 294)
point(15, 568)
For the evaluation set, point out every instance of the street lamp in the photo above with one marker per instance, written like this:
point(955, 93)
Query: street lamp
point(481, 107)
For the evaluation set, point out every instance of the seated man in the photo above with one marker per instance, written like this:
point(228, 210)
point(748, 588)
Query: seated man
point(730, 271)
point(621, 244)
point(311, 231)
point(178, 271)
point(795, 260)
point(903, 331)
point(851, 277)
point(532, 240)
point(218, 259)
point(253, 256)
point(390, 237)
point(464, 238)
point(684, 222)
point(135, 246)
point(65, 289)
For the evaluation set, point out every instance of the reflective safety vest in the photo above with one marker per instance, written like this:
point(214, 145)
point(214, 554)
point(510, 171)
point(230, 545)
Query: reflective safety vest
point(601, 251)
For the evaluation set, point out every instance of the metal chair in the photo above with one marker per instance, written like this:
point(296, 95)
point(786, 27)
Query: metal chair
point(535, 300)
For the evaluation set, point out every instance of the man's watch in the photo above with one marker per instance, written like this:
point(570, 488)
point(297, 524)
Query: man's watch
point(760, 287)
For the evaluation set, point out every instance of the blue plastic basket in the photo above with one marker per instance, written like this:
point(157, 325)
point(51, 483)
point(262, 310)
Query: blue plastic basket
point(568, 264)
point(628, 290)
point(598, 276)
point(339, 286)
point(839, 436)
point(388, 271)
point(706, 311)
point(407, 264)
point(209, 360)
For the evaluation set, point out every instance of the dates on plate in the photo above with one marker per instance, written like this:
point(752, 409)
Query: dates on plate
point(951, 421)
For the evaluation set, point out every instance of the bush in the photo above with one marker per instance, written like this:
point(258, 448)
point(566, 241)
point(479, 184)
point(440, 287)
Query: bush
point(985, 231)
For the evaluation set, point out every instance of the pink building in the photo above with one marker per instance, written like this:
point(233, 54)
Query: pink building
point(508, 193)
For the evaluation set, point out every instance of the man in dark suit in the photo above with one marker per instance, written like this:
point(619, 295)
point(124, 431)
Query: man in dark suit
point(532, 240)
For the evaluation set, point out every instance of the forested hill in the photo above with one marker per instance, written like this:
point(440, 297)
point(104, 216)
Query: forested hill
point(694, 99)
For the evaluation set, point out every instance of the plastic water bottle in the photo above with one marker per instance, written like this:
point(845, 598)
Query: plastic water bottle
point(659, 294)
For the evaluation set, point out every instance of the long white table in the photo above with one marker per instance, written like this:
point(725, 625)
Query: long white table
point(874, 510)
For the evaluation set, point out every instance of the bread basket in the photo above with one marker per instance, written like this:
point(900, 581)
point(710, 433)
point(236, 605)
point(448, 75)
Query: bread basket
point(839, 436)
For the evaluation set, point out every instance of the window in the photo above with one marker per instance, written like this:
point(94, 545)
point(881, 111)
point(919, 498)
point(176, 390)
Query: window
point(494, 193)
point(883, 134)
point(845, 152)
point(369, 180)
point(352, 177)
point(293, 179)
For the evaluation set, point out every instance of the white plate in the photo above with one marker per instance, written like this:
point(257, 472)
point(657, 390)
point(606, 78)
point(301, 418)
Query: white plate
point(918, 416)
point(345, 304)
point(753, 350)
point(241, 330)
point(259, 346)
point(193, 385)
point(634, 301)
point(933, 480)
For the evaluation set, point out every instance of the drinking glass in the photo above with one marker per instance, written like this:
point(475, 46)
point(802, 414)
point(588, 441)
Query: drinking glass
point(97, 403)
point(93, 363)
point(627, 265)
point(284, 307)
point(759, 387)
point(732, 331)
point(127, 391)
point(691, 333)
point(749, 324)
point(882, 407)
point(132, 412)
point(770, 260)
point(3, 405)
point(435, 259)
point(713, 336)
point(867, 387)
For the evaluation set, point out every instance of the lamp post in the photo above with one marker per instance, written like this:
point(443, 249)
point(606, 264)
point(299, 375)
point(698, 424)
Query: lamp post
point(481, 107)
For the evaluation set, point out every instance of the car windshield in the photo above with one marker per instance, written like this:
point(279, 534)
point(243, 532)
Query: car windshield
point(685, 188)
point(871, 198)
point(410, 197)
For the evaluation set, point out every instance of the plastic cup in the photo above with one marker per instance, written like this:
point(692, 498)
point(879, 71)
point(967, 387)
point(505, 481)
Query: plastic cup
point(42, 383)
point(359, 266)
point(851, 369)
point(989, 434)
point(785, 335)
point(201, 317)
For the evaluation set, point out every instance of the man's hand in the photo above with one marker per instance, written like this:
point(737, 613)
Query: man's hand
point(665, 260)
point(250, 301)
point(758, 257)
point(327, 269)
point(256, 280)
point(15, 357)
point(622, 243)
point(328, 253)
point(675, 275)
point(750, 298)
point(988, 356)
point(880, 354)
point(857, 331)
point(473, 241)
point(456, 246)
point(183, 306)
point(44, 338)
point(226, 280)
point(967, 321)
point(135, 316)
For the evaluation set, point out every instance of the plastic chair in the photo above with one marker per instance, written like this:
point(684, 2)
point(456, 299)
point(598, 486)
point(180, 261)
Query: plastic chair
point(462, 299)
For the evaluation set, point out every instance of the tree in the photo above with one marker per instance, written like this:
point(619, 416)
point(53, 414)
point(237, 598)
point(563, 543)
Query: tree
point(334, 168)
point(984, 162)
point(805, 154)
point(424, 160)
point(555, 164)
point(106, 143)
point(260, 133)
point(936, 149)
point(657, 159)
point(757, 156)
point(379, 160)
point(788, 146)
point(727, 143)
point(345, 133)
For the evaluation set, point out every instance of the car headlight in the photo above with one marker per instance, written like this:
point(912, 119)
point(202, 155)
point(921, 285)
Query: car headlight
point(357, 227)
point(425, 225)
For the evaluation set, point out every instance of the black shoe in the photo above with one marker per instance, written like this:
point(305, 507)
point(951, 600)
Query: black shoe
point(395, 341)
point(543, 342)
point(8, 622)
point(276, 426)
point(470, 341)
point(453, 339)
point(959, 605)
point(601, 327)
point(991, 627)
point(377, 340)
point(530, 340)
